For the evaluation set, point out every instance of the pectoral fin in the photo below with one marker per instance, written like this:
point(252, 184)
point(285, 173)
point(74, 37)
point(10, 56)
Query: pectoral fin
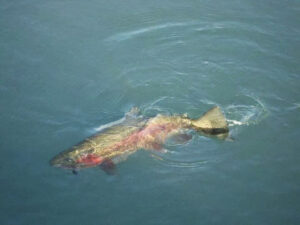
point(108, 167)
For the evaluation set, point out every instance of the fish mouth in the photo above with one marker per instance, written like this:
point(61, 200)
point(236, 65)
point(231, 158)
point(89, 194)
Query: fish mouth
point(54, 162)
point(57, 162)
point(63, 162)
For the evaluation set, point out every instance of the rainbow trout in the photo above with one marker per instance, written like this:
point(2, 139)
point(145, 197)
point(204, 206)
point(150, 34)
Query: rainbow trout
point(115, 143)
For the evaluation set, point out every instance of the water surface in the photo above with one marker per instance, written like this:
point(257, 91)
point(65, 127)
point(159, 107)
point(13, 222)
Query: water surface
point(68, 67)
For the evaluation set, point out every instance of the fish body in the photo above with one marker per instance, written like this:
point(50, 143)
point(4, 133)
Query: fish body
point(115, 143)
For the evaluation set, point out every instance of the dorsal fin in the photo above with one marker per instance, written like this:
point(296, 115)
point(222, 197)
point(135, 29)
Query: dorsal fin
point(134, 112)
point(134, 118)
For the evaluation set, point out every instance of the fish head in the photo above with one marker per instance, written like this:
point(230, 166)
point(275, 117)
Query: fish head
point(67, 160)
point(77, 157)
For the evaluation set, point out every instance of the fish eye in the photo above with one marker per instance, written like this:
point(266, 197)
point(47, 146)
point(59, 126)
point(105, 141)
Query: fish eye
point(68, 160)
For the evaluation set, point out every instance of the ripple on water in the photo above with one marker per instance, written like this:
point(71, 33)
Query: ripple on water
point(201, 151)
point(173, 53)
point(134, 33)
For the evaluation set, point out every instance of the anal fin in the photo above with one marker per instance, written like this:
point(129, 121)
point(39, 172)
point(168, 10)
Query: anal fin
point(181, 138)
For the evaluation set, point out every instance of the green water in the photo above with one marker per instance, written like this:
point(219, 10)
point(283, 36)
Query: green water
point(68, 67)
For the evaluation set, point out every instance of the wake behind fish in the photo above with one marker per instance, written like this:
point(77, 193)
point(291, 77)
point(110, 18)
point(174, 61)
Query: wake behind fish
point(246, 114)
point(247, 110)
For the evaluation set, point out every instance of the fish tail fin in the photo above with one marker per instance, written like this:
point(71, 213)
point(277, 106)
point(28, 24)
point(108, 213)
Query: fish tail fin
point(212, 122)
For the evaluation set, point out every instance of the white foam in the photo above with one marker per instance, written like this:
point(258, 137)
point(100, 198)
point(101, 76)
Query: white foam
point(247, 114)
point(235, 122)
point(102, 127)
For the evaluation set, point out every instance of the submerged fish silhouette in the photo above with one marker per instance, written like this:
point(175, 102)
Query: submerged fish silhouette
point(113, 144)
